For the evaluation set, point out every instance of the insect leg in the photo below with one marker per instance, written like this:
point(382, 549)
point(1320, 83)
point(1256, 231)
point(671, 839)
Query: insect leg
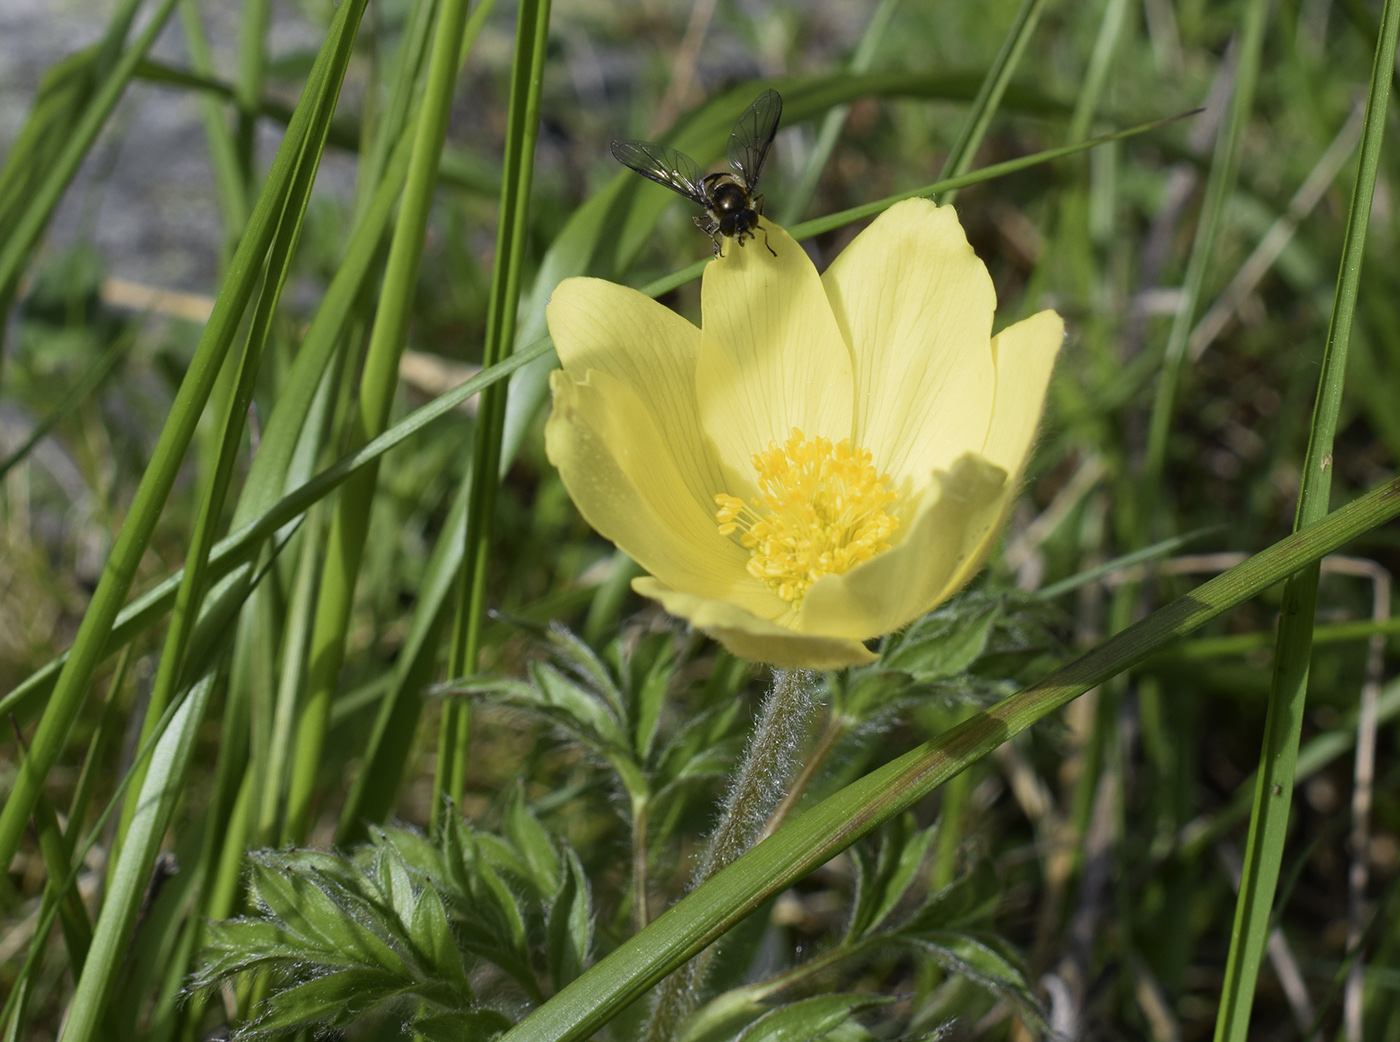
point(710, 227)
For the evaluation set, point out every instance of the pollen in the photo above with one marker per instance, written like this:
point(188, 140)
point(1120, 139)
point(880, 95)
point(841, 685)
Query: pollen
point(820, 511)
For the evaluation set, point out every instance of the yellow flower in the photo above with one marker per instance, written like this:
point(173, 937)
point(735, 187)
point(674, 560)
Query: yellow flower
point(827, 458)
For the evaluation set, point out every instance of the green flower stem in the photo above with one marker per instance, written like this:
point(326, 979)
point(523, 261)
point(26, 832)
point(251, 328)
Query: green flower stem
point(1273, 791)
point(759, 788)
point(350, 526)
point(832, 733)
point(816, 836)
point(641, 820)
point(531, 42)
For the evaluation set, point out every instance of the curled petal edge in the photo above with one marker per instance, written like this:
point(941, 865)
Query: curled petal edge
point(755, 639)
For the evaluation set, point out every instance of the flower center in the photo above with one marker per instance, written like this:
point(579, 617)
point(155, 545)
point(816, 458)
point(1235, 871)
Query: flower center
point(821, 512)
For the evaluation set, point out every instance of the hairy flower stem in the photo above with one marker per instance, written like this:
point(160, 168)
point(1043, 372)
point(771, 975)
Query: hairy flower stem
point(767, 766)
point(811, 763)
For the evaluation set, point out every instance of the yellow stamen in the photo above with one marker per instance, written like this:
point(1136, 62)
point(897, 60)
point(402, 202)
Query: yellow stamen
point(824, 513)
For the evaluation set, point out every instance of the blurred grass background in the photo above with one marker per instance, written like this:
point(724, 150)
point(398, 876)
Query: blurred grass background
point(1110, 829)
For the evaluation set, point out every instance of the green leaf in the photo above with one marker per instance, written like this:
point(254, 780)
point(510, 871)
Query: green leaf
point(589, 710)
point(395, 883)
point(529, 837)
point(884, 879)
point(332, 1000)
point(649, 670)
point(971, 898)
point(810, 1019)
point(476, 1026)
point(722, 1017)
point(943, 643)
point(978, 958)
point(581, 660)
point(570, 931)
point(493, 923)
point(432, 936)
point(330, 915)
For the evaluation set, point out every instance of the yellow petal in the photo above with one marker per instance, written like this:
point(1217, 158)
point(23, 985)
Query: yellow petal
point(753, 638)
point(648, 348)
point(953, 525)
point(622, 476)
point(1024, 355)
point(771, 356)
point(916, 304)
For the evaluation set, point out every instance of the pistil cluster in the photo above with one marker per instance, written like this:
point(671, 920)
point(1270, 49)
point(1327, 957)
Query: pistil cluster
point(821, 512)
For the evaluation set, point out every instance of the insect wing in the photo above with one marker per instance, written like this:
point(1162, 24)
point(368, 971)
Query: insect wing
point(753, 137)
point(676, 170)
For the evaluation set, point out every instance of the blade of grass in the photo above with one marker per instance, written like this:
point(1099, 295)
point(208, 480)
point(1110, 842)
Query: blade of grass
point(159, 795)
point(522, 130)
point(1273, 792)
point(1219, 186)
point(230, 188)
point(384, 125)
point(811, 839)
point(376, 787)
point(87, 383)
point(64, 91)
point(379, 378)
point(248, 88)
point(834, 122)
point(989, 94)
point(195, 580)
point(91, 642)
point(39, 203)
point(372, 795)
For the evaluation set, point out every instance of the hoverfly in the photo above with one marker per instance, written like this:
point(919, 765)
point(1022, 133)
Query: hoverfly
point(731, 206)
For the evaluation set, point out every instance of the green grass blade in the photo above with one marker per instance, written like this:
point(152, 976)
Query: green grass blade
point(156, 805)
point(1219, 186)
point(376, 787)
point(248, 88)
point(386, 124)
point(1273, 792)
point(40, 203)
point(800, 195)
point(91, 643)
point(378, 381)
point(194, 582)
point(89, 382)
point(989, 94)
point(582, 1008)
point(65, 90)
point(223, 150)
point(523, 122)
point(298, 397)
